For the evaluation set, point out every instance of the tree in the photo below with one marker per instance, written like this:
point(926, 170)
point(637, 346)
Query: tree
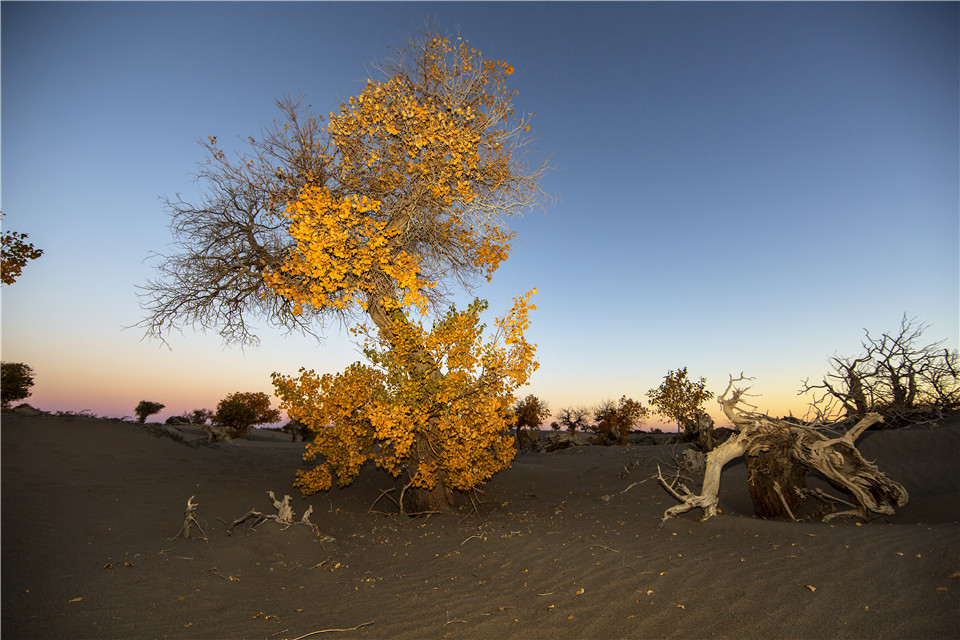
point(15, 382)
point(574, 418)
point(678, 397)
point(896, 376)
point(530, 414)
point(403, 194)
point(441, 432)
point(240, 411)
point(14, 254)
point(147, 408)
point(405, 191)
point(616, 419)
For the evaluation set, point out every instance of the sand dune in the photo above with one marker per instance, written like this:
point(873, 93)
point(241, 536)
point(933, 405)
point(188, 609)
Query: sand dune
point(567, 546)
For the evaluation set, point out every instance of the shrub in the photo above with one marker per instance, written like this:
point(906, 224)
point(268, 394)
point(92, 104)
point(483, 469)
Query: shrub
point(147, 408)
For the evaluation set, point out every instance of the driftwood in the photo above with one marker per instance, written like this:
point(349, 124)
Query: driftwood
point(779, 454)
point(190, 520)
point(284, 516)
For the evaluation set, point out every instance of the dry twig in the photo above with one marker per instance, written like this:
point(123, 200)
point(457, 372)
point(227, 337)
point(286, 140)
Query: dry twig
point(313, 633)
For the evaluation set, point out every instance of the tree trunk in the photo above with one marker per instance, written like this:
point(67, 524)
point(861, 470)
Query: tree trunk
point(776, 479)
point(418, 500)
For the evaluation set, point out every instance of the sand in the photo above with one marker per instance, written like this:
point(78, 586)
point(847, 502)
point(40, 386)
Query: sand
point(567, 545)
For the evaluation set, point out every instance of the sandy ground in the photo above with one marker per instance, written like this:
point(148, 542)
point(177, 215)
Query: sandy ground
point(567, 545)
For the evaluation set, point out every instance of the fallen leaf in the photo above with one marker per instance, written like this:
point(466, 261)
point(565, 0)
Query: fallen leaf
point(680, 606)
point(580, 591)
point(811, 587)
point(955, 575)
point(75, 600)
point(941, 588)
point(649, 592)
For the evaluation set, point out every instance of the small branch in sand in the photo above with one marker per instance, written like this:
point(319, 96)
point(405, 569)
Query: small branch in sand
point(383, 492)
point(313, 633)
point(633, 485)
point(190, 520)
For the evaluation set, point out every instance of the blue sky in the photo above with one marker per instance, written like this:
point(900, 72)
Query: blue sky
point(738, 186)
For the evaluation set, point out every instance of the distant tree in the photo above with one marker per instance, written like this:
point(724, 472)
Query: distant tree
point(15, 382)
point(616, 419)
point(678, 397)
point(574, 418)
point(14, 254)
point(239, 411)
point(147, 408)
point(896, 376)
point(529, 414)
point(555, 426)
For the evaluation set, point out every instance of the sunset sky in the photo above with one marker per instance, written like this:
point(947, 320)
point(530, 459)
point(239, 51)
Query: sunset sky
point(737, 186)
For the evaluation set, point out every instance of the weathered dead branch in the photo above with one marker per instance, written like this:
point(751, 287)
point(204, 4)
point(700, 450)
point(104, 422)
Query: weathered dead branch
point(190, 520)
point(283, 517)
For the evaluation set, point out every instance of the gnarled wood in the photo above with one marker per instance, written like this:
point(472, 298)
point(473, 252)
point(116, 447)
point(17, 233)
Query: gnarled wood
point(780, 454)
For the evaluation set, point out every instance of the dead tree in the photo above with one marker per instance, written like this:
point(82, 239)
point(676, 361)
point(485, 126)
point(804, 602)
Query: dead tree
point(779, 455)
point(896, 376)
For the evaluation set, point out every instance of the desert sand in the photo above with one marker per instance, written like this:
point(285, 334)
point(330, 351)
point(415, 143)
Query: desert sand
point(565, 545)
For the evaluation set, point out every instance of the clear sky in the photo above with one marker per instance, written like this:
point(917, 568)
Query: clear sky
point(738, 186)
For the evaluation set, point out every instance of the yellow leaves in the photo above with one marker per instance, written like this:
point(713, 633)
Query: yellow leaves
point(446, 386)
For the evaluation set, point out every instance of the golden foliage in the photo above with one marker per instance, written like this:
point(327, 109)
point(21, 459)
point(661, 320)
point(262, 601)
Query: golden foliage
point(678, 397)
point(445, 387)
point(617, 419)
point(421, 170)
point(15, 251)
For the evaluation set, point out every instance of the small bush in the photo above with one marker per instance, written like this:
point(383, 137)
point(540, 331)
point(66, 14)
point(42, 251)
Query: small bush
point(147, 408)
